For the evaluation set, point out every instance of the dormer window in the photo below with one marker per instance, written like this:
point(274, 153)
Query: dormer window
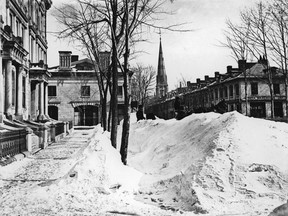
point(85, 91)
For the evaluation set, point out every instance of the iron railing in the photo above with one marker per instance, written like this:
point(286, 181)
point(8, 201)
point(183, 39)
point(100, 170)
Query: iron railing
point(12, 142)
point(59, 128)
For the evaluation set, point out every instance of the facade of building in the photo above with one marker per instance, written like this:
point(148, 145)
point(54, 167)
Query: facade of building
point(23, 59)
point(24, 77)
point(246, 92)
point(73, 91)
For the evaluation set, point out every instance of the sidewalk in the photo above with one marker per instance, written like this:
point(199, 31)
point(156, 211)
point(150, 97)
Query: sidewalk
point(51, 163)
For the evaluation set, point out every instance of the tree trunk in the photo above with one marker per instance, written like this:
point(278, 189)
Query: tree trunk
point(126, 122)
point(246, 91)
point(286, 95)
point(104, 113)
point(125, 134)
point(114, 99)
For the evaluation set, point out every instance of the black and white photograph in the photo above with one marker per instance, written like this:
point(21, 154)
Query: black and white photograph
point(143, 107)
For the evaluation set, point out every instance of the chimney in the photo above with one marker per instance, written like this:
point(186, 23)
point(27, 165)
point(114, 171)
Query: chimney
point(217, 75)
point(64, 59)
point(188, 84)
point(206, 78)
point(74, 58)
point(229, 69)
point(104, 59)
point(198, 80)
point(242, 65)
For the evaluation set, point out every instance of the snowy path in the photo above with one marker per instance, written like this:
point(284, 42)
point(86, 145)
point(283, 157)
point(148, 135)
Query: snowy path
point(81, 175)
point(43, 168)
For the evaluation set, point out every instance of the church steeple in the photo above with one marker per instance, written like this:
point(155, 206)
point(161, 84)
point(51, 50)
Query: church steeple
point(161, 82)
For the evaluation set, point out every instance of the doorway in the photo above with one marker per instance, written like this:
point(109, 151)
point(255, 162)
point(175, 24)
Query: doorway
point(86, 115)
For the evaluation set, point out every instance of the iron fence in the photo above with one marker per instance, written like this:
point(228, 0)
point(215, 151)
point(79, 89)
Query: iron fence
point(59, 128)
point(12, 142)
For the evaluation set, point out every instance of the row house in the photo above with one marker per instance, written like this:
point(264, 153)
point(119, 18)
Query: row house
point(23, 76)
point(245, 89)
point(73, 92)
point(247, 92)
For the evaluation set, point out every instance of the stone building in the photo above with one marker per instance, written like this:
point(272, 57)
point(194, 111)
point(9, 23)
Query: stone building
point(161, 78)
point(24, 77)
point(246, 89)
point(231, 87)
point(73, 91)
point(23, 59)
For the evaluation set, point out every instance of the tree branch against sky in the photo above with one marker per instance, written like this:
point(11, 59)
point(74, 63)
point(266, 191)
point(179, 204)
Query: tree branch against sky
point(113, 24)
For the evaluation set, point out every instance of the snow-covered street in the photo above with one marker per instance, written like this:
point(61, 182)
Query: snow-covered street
point(206, 163)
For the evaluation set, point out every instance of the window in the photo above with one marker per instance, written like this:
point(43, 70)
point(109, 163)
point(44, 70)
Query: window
point(254, 88)
point(52, 91)
point(237, 90)
point(216, 94)
point(24, 92)
point(13, 88)
point(11, 22)
point(276, 88)
point(225, 92)
point(120, 91)
point(221, 93)
point(85, 91)
point(17, 28)
point(231, 92)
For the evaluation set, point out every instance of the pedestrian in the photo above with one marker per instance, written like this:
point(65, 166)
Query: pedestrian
point(139, 113)
point(179, 109)
point(177, 104)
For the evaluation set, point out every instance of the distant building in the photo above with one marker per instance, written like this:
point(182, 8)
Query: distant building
point(161, 78)
point(202, 95)
point(73, 91)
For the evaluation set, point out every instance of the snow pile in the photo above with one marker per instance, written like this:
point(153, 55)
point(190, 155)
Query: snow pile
point(212, 163)
point(97, 184)
point(101, 164)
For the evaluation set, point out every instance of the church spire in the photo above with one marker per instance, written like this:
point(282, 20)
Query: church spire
point(161, 85)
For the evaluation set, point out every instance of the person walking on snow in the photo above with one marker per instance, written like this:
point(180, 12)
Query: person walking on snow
point(139, 113)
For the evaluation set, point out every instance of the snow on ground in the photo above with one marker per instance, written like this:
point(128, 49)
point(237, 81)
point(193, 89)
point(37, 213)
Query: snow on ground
point(221, 164)
point(206, 163)
point(91, 181)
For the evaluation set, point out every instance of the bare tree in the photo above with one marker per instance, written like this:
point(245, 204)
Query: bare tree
point(119, 23)
point(279, 39)
point(258, 20)
point(237, 41)
point(77, 22)
point(143, 83)
point(252, 37)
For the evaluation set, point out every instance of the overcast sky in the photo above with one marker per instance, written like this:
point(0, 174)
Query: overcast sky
point(189, 55)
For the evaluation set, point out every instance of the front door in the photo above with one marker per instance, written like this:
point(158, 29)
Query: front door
point(257, 109)
point(86, 115)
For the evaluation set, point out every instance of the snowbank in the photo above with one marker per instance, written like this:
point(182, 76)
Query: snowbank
point(211, 162)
